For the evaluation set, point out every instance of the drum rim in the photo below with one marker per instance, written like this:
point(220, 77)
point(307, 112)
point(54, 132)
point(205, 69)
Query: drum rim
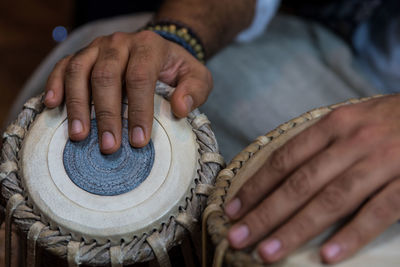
point(152, 245)
point(215, 222)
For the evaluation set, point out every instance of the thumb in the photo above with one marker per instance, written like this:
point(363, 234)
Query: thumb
point(189, 94)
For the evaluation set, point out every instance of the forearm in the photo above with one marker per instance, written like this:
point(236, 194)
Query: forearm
point(216, 22)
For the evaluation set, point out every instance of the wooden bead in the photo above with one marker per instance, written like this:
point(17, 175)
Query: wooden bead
point(200, 55)
point(186, 37)
point(172, 28)
point(197, 48)
point(193, 42)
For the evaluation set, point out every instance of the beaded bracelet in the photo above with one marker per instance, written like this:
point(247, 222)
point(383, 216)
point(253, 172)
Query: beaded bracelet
point(179, 34)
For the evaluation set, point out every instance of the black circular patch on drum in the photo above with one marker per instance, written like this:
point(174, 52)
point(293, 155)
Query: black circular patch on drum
point(107, 175)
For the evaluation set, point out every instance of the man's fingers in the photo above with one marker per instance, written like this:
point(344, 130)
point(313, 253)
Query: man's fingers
point(144, 66)
point(55, 84)
point(376, 216)
point(298, 150)
point(296, 191)
point(77, 94)
point(106, 80)
point(337, 200)
point(280, 164)
point(192, 91)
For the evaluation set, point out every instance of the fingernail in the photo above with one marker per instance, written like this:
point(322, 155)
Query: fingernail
point(239, 234)
point(49, 95)
point(107, 140)
point(331, 251)
point(137, 135)
point(270, 247)
point(76, 126)
point(233, 207)
point(188, 102)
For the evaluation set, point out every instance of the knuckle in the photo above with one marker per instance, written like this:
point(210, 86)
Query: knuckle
point(259, 219)
point(96, 41)
point(111, 54)
point(297, 186)
point(75, 103)
point(366, 133)
point(147, 36)
point(339, 115)
point(138, 79)
point(348, 181)
point(74, 67)
point(331, 200)
point(381, 212)
point(63, 60)
point(355, 235)
point(315, 166)
point(278, 160)
point(103, 78)
point(137, 112)
point(301, 228)
point(106, 115)
point(143, 53)
point(117, 37)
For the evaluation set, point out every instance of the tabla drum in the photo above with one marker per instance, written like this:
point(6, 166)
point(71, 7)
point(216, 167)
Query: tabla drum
point(384, 251)
point(87, 208)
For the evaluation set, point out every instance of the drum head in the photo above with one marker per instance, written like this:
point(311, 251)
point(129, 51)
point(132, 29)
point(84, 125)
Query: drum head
point(108, 198)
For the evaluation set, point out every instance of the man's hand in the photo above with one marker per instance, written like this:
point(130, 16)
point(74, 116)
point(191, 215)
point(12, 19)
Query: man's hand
point(125, 61)
point(347, 162)
point(135, 61)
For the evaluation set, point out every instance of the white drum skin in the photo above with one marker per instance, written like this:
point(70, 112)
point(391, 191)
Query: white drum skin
point(109, 218)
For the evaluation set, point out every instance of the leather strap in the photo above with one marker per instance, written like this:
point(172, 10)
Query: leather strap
point(12, 205)
point(73, 254)
point(33, 235)
point(159, 250)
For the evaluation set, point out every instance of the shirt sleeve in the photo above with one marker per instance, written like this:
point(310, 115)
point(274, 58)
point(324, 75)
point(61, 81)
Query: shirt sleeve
point(265, 11)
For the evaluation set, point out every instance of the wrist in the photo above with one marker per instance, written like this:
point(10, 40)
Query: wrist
point(216, 23)
point(180, 34)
